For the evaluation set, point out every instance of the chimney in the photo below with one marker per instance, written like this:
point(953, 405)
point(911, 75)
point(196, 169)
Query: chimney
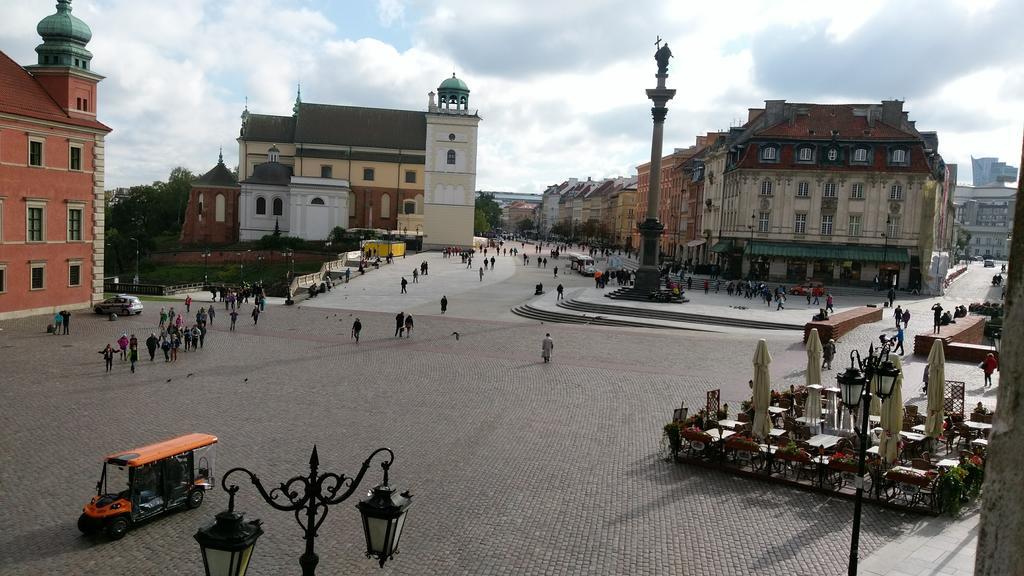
point(892, 112)
point(753, 113)
point(775, 110)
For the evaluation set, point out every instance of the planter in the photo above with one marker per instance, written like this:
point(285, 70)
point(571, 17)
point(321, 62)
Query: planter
point(843, 466)
point(696, 436)
point(802, 456)
point(916, 480)
point(742, 445)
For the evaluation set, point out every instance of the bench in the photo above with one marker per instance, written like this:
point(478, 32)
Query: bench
point(843, 322)
point(967, 330)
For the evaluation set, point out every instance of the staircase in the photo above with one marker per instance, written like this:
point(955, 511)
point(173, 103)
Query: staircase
point(672, 315)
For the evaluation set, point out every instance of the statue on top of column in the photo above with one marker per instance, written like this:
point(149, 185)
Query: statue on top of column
point(662, 56)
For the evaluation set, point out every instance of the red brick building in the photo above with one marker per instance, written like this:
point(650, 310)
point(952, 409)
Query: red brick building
point(212, 213)
point(51, 175)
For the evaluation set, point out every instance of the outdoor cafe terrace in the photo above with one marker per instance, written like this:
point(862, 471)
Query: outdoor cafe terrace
point(809, 441)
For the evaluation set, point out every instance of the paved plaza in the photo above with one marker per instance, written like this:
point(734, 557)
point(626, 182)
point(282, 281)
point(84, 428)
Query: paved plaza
point(516, 467)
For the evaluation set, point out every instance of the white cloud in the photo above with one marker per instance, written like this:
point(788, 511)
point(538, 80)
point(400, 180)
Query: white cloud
point(560, 85)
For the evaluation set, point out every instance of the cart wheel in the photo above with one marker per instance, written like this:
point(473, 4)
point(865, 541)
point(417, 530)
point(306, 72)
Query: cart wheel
point(87, 525)
point(117, 528)
point(195, 499)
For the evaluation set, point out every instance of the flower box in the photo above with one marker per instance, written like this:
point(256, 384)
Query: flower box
point(798, 456)
point(842, 466)
point(696, 435)
point(742, 444)
point(920, 479)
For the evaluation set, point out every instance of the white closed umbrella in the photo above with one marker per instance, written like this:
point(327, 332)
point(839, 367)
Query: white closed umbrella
point(814, 352)
point(762, 426)
point(936, 391)
point(812, 407)
point(892, 418)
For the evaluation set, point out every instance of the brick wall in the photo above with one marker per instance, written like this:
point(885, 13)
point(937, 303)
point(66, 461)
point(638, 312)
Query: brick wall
point(839, 324)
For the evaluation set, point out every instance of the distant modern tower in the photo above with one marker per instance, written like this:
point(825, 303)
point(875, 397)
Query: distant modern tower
point(992, 172)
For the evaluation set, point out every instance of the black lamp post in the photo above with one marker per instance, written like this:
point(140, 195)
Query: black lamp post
point(855, 384)
point(227, 543)
point(290, 254)
point(206, 258)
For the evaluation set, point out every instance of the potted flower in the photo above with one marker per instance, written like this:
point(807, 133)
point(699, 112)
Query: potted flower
point(919, 478)
point(843, 461)
point(671, 435)
point(793, 453)
point(742, 443)
point(974, 475)
point(950, 490)
point(723, 412)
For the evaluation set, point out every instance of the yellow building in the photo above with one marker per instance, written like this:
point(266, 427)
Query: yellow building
point(329, 166)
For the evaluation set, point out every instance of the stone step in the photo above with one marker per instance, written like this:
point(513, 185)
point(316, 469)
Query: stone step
point(672, 315)
point(527, 311)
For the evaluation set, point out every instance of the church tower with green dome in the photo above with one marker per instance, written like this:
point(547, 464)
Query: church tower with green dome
point(64, 64)
point(450, 170)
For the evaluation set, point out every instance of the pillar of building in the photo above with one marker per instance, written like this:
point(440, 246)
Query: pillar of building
point(1001, 530)
point(647, 275)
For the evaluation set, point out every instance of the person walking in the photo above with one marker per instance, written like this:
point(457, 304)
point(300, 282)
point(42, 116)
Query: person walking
point(415, 276)
point(170, 316)
point(58, 321)
point(556, 271)
point(560, 290)
point(108, 357)
point(188, 339)
point(188, 304)
point(828, 303)
point(122, 344)
point(779, 299)
point(899, 342)
point(989, 365)
point(210, 313)
point(891, 295)
point(898, 315)
point(481, 274)
point(67, 320)
point(198, 333)
point(706, 284)
point(163, 318)
point(133, 351)
point(234, 318)
point(444, 304)
point(151, 345)
point(546, 347)
point(492, 262)
point(828, 352)
point(357, 327)
point(175, 345)
point(408, 326)
point(404, 284)
point(255, 315)
point(937, 311)
point(165, 345)
point(906, 318)
point(399, 324)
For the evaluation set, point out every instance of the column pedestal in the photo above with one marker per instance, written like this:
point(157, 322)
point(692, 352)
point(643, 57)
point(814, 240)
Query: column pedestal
point(648, 277)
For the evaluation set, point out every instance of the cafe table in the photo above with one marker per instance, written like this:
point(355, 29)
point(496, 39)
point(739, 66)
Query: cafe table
point(825, 441)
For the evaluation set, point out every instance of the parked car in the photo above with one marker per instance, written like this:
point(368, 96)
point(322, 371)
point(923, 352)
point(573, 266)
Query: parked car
point(812, 288)
point(989, 263)
point(146, 482)
point(122, 304)
point(588, 271)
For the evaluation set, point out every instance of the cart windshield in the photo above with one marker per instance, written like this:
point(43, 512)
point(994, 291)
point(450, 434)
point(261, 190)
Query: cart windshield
point(115, 480)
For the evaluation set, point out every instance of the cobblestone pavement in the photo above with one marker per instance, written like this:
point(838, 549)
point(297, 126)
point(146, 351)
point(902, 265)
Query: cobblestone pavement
point(518, 467)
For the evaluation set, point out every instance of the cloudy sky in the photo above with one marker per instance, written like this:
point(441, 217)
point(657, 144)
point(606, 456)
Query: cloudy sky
point(559, 85)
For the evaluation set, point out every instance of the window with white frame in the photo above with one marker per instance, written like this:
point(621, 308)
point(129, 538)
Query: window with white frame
point(36, 223)
point(800, 223)
point(75, 158)
point(75, 223)
point(37, 275)
point(893, 227)
point(857, 191)
point(806, 154)
point(803, 189)
point(833, 154)
point(854, 228)
point(826, 224)
point(35, 152)
point(769, 153)
point(763, 221)
point(899, 156)
point(860, 155)
point(766, 187)
point(896, 192)
point(75, 273)
point(829, 190)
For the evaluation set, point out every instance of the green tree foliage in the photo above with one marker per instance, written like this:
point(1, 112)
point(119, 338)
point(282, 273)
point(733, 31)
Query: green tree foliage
point(963, 240)
point(561, 229)
point(524, 225)
point(486, 204)
point(480, 223)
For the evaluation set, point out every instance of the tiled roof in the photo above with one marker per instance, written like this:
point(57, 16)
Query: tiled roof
point(342, 126)
point(787, 161)
point(267, 128)
point(22, 95)
point(219, 175)
point(817, 121)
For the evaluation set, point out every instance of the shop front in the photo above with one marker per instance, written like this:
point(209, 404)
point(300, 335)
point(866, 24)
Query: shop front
point(835, 264)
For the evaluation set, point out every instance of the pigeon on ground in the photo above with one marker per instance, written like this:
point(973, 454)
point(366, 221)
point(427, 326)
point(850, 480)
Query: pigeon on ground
point(246, 380)
point(456, 334)
point(168, 379)
point(189, 375)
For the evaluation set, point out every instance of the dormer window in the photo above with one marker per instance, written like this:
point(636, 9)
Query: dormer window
point(770, 153)
point(860, 155)
point(805, 154)
point(898, 156)
point(833, 154)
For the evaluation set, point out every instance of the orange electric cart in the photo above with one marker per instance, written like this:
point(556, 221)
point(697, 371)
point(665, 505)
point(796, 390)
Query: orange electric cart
point(144, 483)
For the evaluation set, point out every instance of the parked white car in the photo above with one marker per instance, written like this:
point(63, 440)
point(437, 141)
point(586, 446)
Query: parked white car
point(122, 304)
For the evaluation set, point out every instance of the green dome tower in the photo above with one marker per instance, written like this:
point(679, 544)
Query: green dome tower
point(453, 94)
point(64, 39)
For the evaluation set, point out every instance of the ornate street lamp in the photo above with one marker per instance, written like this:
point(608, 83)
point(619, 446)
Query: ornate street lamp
point(855, 385)
point(227, 544)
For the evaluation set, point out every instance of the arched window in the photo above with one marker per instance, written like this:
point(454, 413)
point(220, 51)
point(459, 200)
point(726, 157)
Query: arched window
point(218, 206)
point(409, 207)
point(451, 156)
point(200, 207)
point(261, 205)
point(317, 201)
point(278, 207)
point(385, 206)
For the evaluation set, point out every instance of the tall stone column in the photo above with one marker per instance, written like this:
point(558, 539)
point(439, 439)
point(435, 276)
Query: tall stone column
point(647, 277)
point(1001, 533)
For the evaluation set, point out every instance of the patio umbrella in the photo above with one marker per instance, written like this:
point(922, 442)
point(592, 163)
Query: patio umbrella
point(892, 418)
point(813, 358)
point(762, 390)
point(936, 391)
point(812, 407)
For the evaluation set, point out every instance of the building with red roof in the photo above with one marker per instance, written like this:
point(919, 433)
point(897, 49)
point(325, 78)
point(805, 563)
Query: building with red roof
point(51, 167)
point(839, 193)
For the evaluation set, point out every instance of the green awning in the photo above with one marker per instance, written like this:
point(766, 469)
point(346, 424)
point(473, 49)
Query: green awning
point(722, 246)
point(852, 252)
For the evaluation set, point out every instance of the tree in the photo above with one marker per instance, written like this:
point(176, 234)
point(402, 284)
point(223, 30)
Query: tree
point(491, 210)
point(277, 227)
point(480, 223)
point(963, 240)
point(524, 225)
point(561, 229)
